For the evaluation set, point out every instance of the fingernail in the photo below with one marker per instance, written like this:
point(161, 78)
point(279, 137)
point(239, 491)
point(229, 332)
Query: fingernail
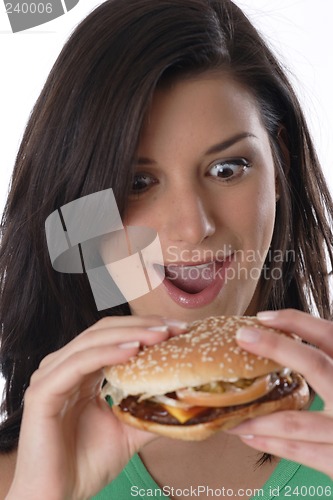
point(176, 323)
point(163, 328)
point(247, 335)
point(267, 315)
point(246, 436)
point(129, 345)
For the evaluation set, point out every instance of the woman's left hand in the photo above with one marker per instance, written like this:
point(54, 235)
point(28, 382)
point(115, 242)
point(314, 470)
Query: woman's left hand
point(302, 436)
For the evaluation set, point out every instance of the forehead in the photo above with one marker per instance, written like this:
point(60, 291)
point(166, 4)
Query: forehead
point(198, 111)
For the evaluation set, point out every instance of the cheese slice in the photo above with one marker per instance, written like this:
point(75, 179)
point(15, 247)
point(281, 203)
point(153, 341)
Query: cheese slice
point(184, 415)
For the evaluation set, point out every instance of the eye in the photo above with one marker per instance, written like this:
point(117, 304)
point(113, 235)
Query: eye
point(229, 170)
point(142, 182)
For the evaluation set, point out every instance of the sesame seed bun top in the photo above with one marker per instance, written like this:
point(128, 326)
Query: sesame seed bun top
point(207, 353)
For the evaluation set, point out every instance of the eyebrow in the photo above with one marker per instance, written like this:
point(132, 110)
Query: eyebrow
point(216, 148)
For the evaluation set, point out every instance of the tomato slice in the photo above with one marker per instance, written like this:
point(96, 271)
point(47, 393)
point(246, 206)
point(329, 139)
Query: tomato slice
point(232, 396)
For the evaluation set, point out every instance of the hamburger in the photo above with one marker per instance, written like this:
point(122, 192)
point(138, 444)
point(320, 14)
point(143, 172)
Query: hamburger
point(192, 385)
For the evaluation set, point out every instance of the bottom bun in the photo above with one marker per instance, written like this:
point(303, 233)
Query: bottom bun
point(197, 432)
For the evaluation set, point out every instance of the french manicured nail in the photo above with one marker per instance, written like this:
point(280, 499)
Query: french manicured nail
point(247, 335)
point(176, 323)
point(129, 345)
point(267, 315)
point(162, 328)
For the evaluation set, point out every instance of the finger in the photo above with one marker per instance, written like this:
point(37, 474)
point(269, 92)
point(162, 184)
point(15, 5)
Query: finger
point(144, 321)
point(314, 364)
point(316, 455)
point(317, 331)
point(105, 337)
point(123, 321)
point(300, 425)
point(175, 326)
point(145, 335)
point(49, 391)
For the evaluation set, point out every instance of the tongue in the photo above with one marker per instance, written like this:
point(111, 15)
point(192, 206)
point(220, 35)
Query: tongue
point(190, 279)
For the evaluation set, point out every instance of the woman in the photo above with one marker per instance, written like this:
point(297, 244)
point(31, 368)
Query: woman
point(182, 110)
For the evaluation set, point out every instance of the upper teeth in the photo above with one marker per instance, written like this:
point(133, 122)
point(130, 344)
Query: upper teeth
point(200, 266)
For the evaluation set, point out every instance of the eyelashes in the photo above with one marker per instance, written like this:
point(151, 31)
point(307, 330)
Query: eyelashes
point(142, 183)
point(225, 171)
point(230, 169)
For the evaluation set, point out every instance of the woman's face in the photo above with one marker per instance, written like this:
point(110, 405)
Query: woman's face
point(205, 181)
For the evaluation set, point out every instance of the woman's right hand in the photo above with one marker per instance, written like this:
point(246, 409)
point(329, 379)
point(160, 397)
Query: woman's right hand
point(71, 445)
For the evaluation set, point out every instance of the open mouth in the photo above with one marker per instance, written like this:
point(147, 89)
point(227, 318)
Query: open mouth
point(194, 285)
point(192, 279)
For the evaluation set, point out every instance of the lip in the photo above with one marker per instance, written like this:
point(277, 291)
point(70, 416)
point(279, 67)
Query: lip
point(207, 295)
point(196, 261)
point(192, 263)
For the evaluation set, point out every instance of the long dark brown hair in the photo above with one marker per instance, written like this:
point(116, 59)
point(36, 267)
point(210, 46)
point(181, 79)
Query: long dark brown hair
point(82, 137)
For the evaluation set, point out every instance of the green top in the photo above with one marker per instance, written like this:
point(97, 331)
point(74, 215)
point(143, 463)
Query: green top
point(289, 480)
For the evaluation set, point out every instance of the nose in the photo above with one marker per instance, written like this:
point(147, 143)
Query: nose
point(189, 217)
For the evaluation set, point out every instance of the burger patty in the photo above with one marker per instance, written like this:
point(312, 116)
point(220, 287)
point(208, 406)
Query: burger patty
point(154, 412)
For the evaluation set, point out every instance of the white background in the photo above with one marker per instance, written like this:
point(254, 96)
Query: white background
point(299, 31)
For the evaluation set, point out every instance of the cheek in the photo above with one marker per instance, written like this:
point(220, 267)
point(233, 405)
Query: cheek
point(144, 212)
point(136, 216)
point(264, 209)
point(250, 214)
